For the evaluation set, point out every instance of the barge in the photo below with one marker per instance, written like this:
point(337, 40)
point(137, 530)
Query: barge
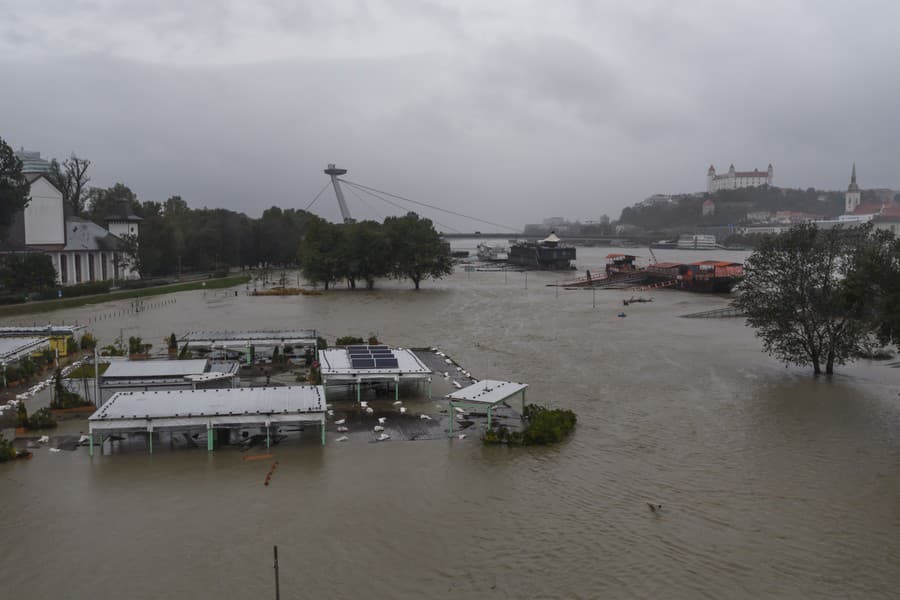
point(549, 254)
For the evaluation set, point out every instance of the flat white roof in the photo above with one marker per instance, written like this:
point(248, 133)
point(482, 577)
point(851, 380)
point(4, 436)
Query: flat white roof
point(38, 330)
point(277, 336)
point(155, 368)
point(12, 347)
point(487, 391)
point(195, 408)
point(335, 365)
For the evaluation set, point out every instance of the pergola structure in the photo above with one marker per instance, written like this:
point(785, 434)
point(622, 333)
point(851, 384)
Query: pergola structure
point(487, 393)
point(229, 408)
point(340, 367)
point(243, 341)
point(14, 349)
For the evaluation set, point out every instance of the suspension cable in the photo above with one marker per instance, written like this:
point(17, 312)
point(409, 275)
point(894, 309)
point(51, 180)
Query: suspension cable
point(308, 206)
point(392, 203)
point(359, 185)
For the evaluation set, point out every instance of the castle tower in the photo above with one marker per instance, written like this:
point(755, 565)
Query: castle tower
point(770, 174)
point(852, 196)
point(710, 177)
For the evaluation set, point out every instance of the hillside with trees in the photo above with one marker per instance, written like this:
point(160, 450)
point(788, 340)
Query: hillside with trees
point(684, 212)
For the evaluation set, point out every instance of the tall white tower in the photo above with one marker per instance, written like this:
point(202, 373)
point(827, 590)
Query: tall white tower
point(852, 196)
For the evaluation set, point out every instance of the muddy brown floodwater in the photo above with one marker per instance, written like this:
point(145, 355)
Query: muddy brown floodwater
point(773, 483)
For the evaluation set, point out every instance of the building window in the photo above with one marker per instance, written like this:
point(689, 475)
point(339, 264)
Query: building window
point(92, 276)
point(77, 268)
point(64, 268)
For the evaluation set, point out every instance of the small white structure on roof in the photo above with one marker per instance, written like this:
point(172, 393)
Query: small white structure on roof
point(209, 409)
point(366, 364)
point(159, 375)
point(487, 393)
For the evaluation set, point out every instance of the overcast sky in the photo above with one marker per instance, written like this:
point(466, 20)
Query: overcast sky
point(511, 111)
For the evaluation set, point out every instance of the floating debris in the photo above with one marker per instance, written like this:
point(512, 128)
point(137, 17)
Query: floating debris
point(340, 421)
point(378, 428)
point(343, 438)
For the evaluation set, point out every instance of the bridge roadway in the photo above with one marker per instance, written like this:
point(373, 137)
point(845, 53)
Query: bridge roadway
point(574, 239)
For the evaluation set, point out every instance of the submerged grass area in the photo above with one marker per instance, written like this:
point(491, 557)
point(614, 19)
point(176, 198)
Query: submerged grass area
point(87, 370)
point(48, 305)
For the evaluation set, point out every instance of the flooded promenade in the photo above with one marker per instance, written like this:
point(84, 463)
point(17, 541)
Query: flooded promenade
point(774, 484)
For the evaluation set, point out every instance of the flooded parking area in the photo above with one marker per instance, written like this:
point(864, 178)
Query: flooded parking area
point(773, 483)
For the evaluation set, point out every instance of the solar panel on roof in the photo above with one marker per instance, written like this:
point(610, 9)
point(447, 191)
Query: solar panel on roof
point(386, 363)
point(363, 363)
point(357, 348)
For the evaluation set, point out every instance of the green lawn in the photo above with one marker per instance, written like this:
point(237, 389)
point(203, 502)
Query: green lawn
point(48, 305)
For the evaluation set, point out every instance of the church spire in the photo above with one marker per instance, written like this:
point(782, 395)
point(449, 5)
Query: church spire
point(853, 187)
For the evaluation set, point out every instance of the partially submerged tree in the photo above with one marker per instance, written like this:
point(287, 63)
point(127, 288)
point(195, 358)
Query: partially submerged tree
point(797, 295)
point(876, 282)
point(417, 250)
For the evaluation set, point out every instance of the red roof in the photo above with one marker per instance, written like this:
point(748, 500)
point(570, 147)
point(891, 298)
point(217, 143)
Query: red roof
point(665, 265)
point(869, 208)
point(620, 256)
point(891, 212)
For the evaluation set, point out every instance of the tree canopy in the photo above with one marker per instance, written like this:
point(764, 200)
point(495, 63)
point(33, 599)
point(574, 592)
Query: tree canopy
point(809, 292)
point(14, 188)
point(72, 180)
point(405, 247)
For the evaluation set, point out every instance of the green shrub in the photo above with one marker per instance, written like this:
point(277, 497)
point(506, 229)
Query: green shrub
point(88, 342)
point(321, 343)
point(347, 340)
point(71, 345)
point(545, 426)
point(12, 298)
point(7, 452)
point(73, 291)
point(41, 419)
point(63, 398)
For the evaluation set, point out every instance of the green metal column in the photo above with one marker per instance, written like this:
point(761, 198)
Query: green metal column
point(323, 431)
point(489, 417)
point(268, 441)
point(150, 440)
point(452, 418)
point(209, 439)
point(358, 392)
point(91, 446)
point(397, 389)
point(429, 388)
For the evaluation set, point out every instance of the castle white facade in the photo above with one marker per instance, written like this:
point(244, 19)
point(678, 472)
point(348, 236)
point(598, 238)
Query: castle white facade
point(734, 179)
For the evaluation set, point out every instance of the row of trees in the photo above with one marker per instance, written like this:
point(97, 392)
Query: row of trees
point(822, 297)
point(405, 247)
point(174, 237)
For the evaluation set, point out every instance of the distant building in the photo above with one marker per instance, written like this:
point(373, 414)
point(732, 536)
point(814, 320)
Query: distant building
point(80, 250)
point(708, 208)
point(759, 216)
point(888, 219)
point(32, 161)
point(733, 179)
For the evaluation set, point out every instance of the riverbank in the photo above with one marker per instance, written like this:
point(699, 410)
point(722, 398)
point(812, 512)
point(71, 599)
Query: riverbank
point(51, 305)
